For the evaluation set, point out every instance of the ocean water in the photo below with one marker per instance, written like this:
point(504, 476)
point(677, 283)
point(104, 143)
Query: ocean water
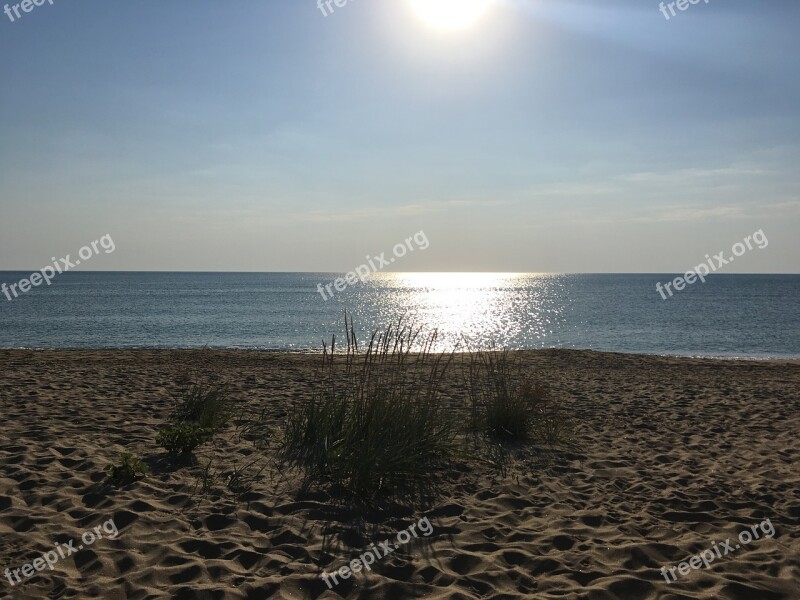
point(754, 316)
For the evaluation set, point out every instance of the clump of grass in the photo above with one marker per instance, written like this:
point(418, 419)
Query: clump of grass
point(510, 405)
point(201, 410)
point(209, 406)
point(375, 422)
point(183, 438)
point(241, 481)
point(553, 425)
point(205, 480)
point(128, 469)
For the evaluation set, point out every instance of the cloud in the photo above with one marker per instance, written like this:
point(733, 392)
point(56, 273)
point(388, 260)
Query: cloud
point(704, 213)
point(385, 212)
point(689, 175)
point(649, 182)
point(691, 213)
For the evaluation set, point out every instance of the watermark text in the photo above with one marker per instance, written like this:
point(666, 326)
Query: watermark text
point(382, 550)
point(62, 265)
point(718, 550)
point(719, 260)
point(50, 559)
point(376, 263)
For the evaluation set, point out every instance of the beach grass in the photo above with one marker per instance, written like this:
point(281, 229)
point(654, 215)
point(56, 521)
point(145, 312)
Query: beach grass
point(375, 423)
point(209, 406)
point(509, 403)
point(200, 412)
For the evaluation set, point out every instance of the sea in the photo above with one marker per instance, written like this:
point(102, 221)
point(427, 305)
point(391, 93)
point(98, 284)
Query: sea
point(728, 316)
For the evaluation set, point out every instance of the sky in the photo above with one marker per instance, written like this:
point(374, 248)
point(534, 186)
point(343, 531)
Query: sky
point(547, 136)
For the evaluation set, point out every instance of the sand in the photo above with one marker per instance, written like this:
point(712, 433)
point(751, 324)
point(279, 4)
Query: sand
point(670, 456)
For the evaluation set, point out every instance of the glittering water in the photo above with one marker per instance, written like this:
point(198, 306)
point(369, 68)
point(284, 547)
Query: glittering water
point(729, 315)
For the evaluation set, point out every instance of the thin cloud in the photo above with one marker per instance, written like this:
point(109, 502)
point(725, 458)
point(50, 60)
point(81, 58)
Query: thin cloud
point(372, 212)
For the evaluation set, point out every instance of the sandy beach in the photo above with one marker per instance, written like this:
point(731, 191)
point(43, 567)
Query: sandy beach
point(670, 457)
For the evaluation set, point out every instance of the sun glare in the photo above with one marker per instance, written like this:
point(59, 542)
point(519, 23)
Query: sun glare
point(449, 15)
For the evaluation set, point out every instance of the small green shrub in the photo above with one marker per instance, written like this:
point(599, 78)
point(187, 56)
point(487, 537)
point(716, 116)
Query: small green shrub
point(128, 470)
point(183, 438)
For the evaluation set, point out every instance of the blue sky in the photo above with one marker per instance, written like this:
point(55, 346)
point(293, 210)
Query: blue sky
point(552, 135)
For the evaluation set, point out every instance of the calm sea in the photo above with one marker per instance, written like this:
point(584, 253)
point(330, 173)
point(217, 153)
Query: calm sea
point(730, 315)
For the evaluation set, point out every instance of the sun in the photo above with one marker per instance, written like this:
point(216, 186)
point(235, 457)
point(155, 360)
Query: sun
point(450, 15)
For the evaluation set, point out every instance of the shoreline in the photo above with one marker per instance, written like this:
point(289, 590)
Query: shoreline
point(795, 360)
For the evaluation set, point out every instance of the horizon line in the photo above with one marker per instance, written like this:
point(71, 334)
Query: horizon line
point(75, 271)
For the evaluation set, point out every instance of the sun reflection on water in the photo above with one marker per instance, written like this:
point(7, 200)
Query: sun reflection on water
point(484, 308)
